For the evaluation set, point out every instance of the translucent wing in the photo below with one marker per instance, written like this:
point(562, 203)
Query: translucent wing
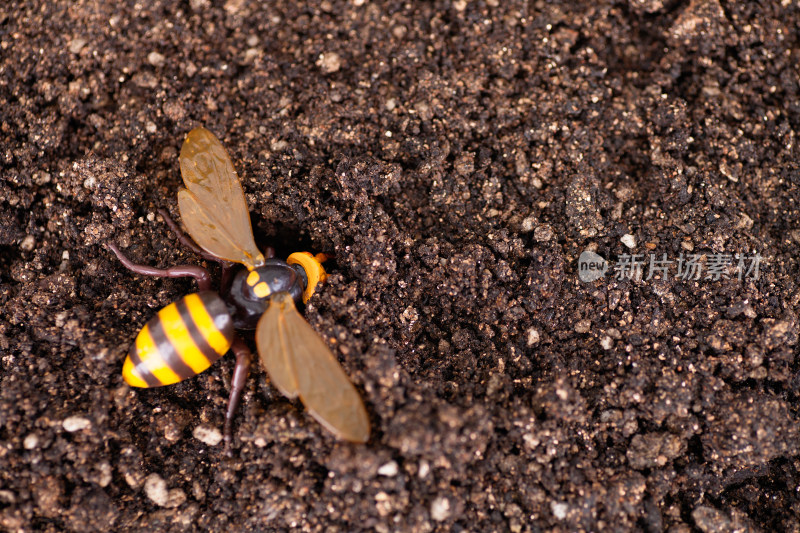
point(212, 206)
point(299, 363)
point(273, 348)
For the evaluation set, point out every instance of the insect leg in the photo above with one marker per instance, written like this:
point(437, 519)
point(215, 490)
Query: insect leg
point(243, 360)
point(199, 273)
point(187, 241)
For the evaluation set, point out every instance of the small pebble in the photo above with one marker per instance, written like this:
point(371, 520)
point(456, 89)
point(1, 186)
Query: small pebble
point(527, 224)
point(172, 431)
point(156, 59)
point(653, 450)
point(707, 519)
point(103, 477)
point(199, 5)
point(234, 6)
point(75, 423)
point(250, 54)
point(424, 469)
point(329, 62)
point(208, 435)
point(190, 69)
point(278, 145)
point(31, 442)
point(41, 177)
point(607, 342)
point(390, 469)
point(533, 336)
point(543, 233)
point(629, 240)
point(423, 110)
point(440, 509)
point(562, 393)
point(156, 489)
point(583, 326)
point(559, 510)
point(77, 44)
point(28, 243)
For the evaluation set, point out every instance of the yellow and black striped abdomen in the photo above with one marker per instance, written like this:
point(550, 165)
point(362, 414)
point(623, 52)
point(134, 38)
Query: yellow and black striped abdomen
point(181, 341)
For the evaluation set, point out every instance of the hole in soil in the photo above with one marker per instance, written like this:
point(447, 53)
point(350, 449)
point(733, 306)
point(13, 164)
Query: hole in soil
point(8, 256)
point(287, 239)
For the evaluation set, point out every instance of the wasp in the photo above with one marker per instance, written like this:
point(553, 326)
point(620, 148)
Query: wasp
point(186, 337)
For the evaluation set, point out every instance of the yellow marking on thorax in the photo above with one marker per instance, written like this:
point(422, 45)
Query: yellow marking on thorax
point(261, 290)
point(205, 324)
point(130, 375)
point(181, 339)
point(148, 353)
point(252, 278)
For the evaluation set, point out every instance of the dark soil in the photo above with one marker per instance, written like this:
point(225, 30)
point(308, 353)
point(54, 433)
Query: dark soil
point(457, 158)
